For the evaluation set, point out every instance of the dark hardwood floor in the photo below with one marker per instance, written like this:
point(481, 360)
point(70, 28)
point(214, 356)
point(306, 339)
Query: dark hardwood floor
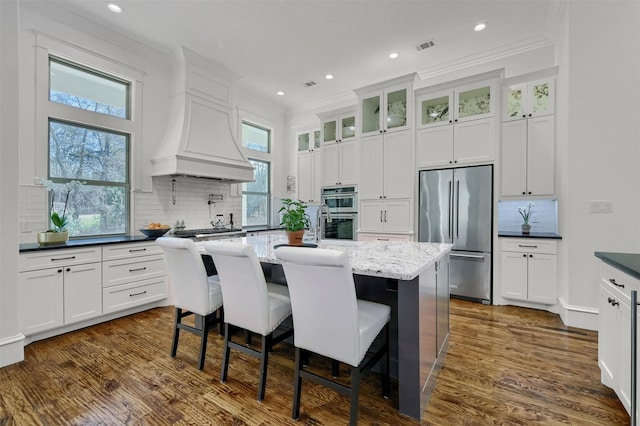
point(505, 365)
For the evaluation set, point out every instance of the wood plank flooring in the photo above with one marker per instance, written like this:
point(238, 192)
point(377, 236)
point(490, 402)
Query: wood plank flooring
point(505, 365)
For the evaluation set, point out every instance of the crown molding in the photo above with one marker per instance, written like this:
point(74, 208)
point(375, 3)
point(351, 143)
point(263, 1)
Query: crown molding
point(501, 52)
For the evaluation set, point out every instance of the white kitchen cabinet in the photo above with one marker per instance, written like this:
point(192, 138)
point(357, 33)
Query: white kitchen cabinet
point(309, 140)
point(338, 125)
point(385, 164)
point(310, 172)
point(385, 215)
point(465, 143)
point(614, 331)
point(341, 163)
point(135, 280)
point(456, 105)
point(69, 292)
point(529, 270)
point(386, 107)
point(527, 156)
point(527, 100)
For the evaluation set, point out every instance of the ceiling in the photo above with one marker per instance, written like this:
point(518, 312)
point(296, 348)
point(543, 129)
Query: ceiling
point(279, 45)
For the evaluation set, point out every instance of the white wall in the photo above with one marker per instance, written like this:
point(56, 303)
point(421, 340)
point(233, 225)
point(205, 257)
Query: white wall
point(11, 340)
point(599, 135)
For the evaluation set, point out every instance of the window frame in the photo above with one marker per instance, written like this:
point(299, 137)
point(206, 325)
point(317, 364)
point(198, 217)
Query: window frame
point(47, 110)
point(267, 194)
point(257, 126)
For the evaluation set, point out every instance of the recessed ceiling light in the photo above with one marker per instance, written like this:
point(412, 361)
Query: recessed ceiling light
point(329, 76)
point(114, 8)
point(480, 26)
point(280, 93)
point(393, 55)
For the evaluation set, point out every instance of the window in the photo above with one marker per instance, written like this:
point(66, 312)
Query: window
point(79, 148)
point(256, 196)
point(255, 137)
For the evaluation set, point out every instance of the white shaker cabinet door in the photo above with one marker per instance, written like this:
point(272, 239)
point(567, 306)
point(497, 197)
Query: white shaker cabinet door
point(331, 165)
point(398, 166)
point(543, 281)
point(349, 163)
point(40, 300)
point(475, 141)
point(514, 158)
point(372, 156)
point(434, 146)
point(82, 292)
point(397, 215)
point(514, 275)
point(371, 216)
point(305, 177)
point(541, 155)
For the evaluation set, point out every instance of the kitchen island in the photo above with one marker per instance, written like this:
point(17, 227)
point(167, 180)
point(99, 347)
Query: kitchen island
point(413, 279)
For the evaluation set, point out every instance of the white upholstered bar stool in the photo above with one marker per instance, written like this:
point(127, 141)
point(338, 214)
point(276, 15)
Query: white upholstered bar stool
point(329, 320)
point(194, 292)
point(250, 303)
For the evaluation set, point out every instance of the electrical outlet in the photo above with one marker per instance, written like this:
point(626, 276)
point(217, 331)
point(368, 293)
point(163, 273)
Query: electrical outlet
point(601, 206)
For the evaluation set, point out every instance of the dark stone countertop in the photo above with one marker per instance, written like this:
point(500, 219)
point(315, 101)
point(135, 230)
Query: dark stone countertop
point(628, 263)
point(510, 234)
point(84, 242)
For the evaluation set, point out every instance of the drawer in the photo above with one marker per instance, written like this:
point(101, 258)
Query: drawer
point(32, 261)
point(126, 251)
point(116, 272)
point(529, 245)
point(618, 281)
point(129, 295)
point(384, 237)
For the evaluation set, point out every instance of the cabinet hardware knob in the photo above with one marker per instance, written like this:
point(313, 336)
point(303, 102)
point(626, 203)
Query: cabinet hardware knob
point(450, 162)
point(524, 255)
point(523, 193)
point(613, 281)
point(529, 192)
point(450, 121)
point(380, 130)
point(59, 270)
point(455, 161)
point(530, 115)
point(524, 115)
point(385, 130)
point(530, 255)
point(614, 302)
point(456, 120)
point(135, 250)
point(68, 269)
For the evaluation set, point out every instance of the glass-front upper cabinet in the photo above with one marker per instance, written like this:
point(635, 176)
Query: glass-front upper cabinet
point(528, 100)
point(338, 126)
point(465, 103)
point(384, 110)
point(308, 141)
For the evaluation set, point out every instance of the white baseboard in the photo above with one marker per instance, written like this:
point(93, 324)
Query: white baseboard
point(578, 316)
point(11, 350)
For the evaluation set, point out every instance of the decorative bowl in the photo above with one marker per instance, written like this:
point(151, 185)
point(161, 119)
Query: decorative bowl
point(154, 233)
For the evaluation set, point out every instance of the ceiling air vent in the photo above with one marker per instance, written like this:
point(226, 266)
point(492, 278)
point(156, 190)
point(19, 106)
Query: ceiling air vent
point(310, 83)
point(425, 45)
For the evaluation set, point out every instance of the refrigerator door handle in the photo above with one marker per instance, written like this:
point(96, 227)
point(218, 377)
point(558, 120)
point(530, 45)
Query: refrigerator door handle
point(457, 209)
point(470, 256)
point(450, 218)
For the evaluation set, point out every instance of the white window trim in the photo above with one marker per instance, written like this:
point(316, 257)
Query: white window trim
point(47, 46)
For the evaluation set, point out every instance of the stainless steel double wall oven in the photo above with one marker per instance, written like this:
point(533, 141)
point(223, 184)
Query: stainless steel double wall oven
point(342, 203)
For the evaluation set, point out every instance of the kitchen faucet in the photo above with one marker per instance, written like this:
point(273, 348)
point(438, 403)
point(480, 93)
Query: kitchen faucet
point(321, 207)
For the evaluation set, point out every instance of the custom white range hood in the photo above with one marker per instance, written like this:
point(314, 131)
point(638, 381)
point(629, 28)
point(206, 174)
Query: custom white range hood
point(200, 138)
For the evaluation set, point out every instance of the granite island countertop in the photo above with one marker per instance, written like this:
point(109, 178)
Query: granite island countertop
point(397, 260)
point(628, 263)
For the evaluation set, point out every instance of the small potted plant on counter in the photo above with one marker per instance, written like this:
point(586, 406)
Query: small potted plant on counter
point(526, 212)
point(295, 220)
point(58, 234)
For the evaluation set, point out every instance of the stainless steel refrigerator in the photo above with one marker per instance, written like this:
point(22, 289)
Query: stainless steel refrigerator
point(456, 207)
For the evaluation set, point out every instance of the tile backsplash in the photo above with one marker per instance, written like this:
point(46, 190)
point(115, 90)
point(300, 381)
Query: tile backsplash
point(545, 218)
point(191, 197)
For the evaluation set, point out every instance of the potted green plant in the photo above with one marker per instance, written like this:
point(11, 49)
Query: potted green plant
point(57, 234)
point(295, 220)
point(526, 212)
